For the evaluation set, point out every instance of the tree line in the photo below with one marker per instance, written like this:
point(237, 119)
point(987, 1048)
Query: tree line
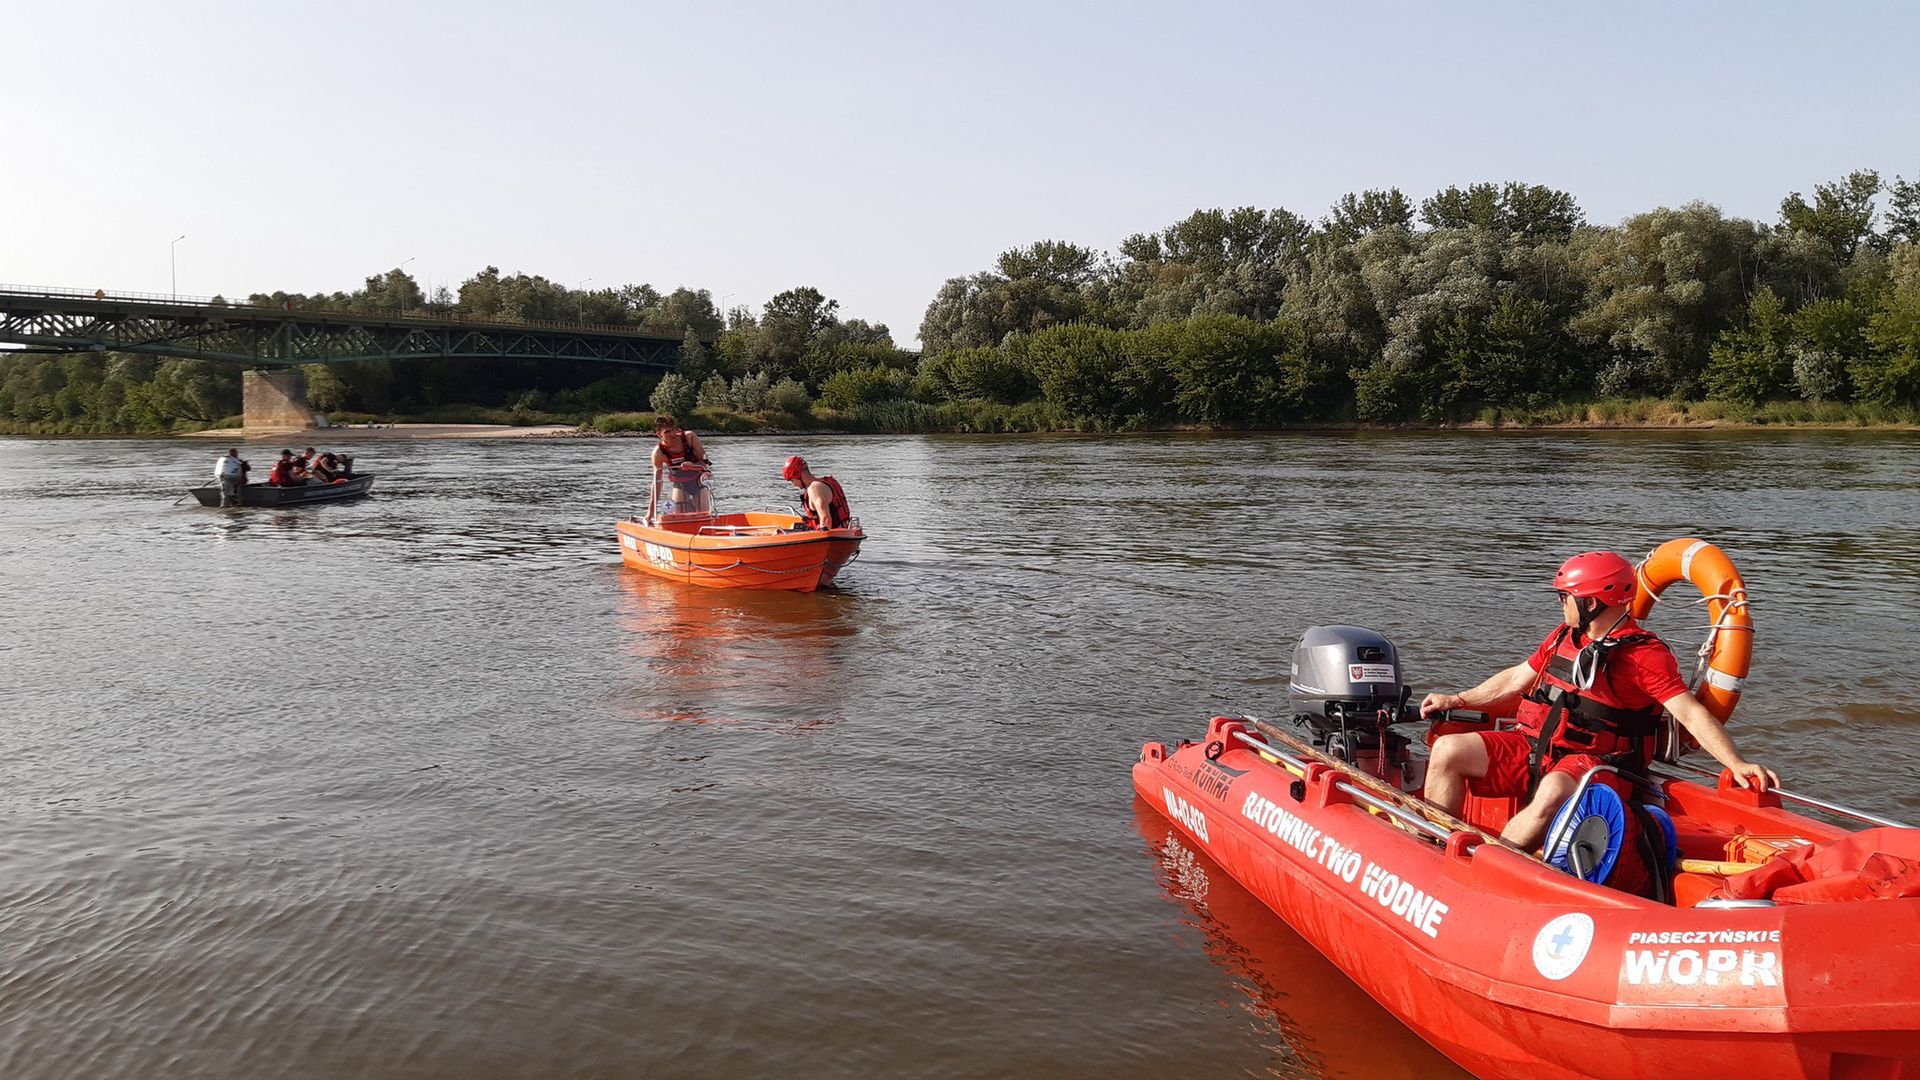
point(774, 360)
point(1475, 300)
point(1482, 301)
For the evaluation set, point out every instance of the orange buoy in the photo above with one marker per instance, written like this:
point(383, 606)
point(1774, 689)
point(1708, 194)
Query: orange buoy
point(1727, 655)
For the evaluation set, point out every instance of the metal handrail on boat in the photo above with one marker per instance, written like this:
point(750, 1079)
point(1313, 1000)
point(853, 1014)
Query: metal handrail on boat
point(1686, 770)
point(1359, 794)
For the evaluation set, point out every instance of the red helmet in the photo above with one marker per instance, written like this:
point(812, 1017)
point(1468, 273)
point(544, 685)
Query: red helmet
point(795, 465)
point(1600, 574)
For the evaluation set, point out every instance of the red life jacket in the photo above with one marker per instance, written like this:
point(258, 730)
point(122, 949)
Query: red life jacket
point(281, 475)
point(1566, 718)
point(836, 506)
point(683, 456)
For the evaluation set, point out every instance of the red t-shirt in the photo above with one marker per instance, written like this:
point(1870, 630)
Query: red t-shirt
point(1643, 674)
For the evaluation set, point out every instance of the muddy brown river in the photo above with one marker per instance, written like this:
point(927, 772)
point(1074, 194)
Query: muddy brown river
point(427, 785)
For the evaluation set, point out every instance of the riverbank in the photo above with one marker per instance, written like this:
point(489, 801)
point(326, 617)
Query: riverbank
point(355, 433)
point(983, 418)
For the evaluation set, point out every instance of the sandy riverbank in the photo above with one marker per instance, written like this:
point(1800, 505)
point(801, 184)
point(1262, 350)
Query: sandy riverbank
point(386, 431)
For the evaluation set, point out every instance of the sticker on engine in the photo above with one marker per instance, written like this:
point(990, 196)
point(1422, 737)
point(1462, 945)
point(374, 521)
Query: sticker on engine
point(1370, 673)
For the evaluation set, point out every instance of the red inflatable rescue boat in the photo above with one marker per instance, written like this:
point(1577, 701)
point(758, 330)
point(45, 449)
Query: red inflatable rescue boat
point(1787, 946)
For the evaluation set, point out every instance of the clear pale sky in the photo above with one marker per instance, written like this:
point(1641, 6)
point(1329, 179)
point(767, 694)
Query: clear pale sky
point(872, 150)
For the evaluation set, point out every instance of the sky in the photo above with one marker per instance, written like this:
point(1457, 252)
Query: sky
point(871, 150)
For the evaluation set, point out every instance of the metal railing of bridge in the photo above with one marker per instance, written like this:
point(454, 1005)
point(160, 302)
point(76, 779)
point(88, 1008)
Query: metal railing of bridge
point(224, 305)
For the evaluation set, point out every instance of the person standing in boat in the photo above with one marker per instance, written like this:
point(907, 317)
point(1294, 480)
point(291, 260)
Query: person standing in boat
point(230, 472)
point(1592, 694)
point(823, 504)
point(680, 469)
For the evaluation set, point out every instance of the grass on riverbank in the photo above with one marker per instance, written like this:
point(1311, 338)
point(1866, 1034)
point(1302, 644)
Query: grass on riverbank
point(879, 418)
point(983, 417)
point(1662, 413)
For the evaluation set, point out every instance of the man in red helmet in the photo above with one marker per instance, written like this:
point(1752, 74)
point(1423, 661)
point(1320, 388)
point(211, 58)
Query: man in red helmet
point(823, 505)
point(1591, 694)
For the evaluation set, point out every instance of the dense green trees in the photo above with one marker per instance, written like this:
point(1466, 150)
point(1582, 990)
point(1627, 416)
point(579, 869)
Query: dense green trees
point(774, 362)
point(1489, 298)
point(1477, 299)
point(95, 393)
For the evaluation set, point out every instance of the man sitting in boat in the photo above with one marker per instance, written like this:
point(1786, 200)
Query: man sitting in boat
point(1593, 693)
point(823, 505)
point(282, 473)
point(680, 469)
point(326, 468)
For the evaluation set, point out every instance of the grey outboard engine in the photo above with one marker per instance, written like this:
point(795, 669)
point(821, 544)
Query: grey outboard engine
point(1346, 688)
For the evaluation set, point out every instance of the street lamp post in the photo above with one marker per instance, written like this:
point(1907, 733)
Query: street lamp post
point(402, 272)
point(724, 321)
point(582, 300)
point(173, 268)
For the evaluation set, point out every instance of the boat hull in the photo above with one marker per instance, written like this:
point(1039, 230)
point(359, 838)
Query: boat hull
point(1515, 970)
point(740, 551)
point(268, 495)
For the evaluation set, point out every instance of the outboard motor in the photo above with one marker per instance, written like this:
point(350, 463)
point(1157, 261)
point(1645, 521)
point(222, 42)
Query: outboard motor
point(1346, 688)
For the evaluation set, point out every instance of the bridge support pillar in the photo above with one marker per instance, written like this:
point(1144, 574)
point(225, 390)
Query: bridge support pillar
point(275, 399)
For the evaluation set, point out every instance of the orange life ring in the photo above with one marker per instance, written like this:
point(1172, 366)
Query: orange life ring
point(1727, 655)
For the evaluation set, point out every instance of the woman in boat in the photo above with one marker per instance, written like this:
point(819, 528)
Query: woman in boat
point(326, 467)
point(680, 469)
point(1593, 693)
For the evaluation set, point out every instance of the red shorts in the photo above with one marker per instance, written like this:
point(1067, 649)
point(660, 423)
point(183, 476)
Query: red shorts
point(1507, 753)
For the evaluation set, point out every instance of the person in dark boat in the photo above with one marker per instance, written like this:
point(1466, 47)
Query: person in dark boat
point(282, 473)
point(230, 472)
point(326, 468)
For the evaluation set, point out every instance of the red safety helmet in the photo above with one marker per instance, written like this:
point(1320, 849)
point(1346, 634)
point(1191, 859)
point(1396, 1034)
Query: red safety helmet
point(794, 467)
point(1599, 574)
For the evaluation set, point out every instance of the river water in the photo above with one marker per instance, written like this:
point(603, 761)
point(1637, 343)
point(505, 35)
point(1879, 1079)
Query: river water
point(428, 785)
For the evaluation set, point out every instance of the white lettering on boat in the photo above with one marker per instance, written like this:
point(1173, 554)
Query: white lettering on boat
point(1400, 898)
point(1692, 967)
point(1186, 814)
point(1288, 829)
point(659, 554)
point(1704, 937)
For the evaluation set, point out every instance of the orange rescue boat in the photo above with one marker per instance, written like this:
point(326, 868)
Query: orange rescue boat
point(752, 550)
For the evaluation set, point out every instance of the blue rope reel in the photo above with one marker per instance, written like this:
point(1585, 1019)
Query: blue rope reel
point(1591, 830)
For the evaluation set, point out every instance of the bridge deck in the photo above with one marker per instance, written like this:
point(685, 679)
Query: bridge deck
point(71, 320)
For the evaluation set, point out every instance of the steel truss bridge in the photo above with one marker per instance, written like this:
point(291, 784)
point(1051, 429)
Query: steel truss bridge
point(204, 328)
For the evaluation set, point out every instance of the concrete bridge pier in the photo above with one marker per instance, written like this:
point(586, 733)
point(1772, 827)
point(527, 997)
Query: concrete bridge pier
point(275, 399)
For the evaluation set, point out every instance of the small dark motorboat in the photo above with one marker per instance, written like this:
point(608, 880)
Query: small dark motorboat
point(268, 495)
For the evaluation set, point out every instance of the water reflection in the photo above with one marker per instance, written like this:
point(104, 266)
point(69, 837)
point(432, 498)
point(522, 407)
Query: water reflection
point(735, 655)
point(1316, 1022)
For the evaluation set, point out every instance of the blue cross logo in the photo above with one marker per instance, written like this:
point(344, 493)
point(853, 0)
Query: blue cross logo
point(1561, 940)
